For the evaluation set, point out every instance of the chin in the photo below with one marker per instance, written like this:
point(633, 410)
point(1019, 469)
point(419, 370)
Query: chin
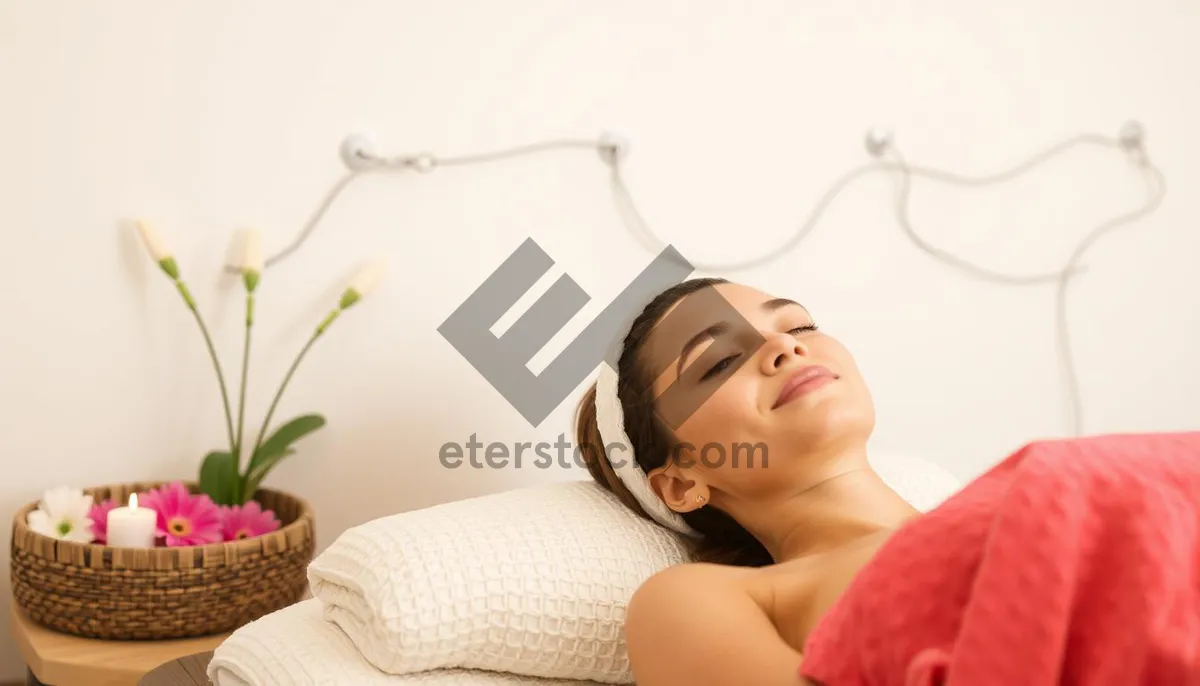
point(828, 422)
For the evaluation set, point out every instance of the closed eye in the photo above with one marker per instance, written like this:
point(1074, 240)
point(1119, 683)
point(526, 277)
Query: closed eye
point(724, 362)
point(720, 366)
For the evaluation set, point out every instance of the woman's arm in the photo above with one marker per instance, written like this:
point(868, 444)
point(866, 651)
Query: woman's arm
point(691, 626)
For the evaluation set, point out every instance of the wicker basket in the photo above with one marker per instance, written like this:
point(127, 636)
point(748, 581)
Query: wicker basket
point(98, 591)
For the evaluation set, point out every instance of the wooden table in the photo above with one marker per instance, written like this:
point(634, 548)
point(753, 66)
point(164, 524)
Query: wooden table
point(191, 670)
point(57, 659)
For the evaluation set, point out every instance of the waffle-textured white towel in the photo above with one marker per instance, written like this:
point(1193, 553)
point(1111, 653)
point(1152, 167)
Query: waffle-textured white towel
point(532, 581)
point(295, 646)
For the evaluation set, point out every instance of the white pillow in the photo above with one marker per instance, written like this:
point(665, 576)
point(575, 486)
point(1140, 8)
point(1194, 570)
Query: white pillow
point(533, 581)
point(924, 484)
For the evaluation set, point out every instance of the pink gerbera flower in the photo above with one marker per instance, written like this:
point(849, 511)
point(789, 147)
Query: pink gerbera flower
point(247, 521)
point(183, 518)
point(99, 516)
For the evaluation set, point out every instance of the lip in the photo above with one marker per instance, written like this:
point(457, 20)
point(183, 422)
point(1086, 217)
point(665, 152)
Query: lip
point(804, 381)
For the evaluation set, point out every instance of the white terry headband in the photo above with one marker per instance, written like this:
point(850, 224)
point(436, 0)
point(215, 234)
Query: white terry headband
point(610, 419)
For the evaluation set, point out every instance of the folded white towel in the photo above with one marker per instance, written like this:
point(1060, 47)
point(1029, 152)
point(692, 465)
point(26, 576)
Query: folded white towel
point(295, 646)
point(531, 581)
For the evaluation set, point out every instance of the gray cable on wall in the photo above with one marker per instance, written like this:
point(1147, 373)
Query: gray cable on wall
point(360, 157)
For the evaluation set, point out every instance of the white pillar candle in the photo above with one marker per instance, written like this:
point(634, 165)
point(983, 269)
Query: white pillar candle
point(132, 526)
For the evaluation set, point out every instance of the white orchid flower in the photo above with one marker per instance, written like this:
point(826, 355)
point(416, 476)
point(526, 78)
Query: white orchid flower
point(63, 514)
point(157, 248)
point(363, 283)
point(252, 259)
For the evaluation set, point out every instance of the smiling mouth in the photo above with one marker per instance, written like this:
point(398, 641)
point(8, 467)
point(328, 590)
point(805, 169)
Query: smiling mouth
point(803, 382)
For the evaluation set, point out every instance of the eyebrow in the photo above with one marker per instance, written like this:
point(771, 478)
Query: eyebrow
point(723, 327)
point(776, 303)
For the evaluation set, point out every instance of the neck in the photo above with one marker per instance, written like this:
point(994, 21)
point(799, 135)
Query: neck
point(842, 502)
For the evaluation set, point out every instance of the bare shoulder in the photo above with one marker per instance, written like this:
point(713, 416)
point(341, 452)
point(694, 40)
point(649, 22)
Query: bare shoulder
point(665, 590)
point(700, 623)
point(695, 573)
point(717, 625)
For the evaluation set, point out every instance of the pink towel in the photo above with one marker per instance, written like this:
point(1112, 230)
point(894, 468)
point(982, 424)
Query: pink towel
point(1070, 562)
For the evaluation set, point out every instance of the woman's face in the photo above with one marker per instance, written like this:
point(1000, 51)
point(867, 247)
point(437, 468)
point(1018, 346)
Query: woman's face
point(755, 395)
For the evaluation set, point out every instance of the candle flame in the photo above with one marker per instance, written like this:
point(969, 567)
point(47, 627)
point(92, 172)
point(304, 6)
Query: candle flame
point(133, 501)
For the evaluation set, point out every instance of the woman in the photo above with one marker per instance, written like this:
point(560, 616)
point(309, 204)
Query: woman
point(782, 535)
point(1071, 561)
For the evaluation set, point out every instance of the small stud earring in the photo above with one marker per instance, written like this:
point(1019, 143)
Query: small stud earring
point(700, 499)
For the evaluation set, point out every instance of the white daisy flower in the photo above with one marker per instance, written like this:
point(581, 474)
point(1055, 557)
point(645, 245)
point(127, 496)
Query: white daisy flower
point(63, 514)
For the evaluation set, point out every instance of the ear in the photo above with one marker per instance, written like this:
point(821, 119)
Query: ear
point(680, 488)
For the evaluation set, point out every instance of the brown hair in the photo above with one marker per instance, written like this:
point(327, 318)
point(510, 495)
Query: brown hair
point(723, 540)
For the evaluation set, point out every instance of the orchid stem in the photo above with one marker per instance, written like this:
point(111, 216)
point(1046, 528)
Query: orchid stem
point(286, 379)
point(212, 353)
point(237, 455)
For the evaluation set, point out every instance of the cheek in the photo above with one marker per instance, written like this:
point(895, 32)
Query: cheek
point(725, 416)
point(830, 349)
point(858, 396)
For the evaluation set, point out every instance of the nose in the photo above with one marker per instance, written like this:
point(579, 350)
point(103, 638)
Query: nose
point(778, 351)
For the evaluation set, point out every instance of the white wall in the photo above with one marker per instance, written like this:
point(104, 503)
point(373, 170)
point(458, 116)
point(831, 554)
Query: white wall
point(207, 117)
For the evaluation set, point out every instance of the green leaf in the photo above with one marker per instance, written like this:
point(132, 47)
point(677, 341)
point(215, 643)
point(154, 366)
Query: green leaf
point(254, 478)
point(283, 438)
point(219, 477)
